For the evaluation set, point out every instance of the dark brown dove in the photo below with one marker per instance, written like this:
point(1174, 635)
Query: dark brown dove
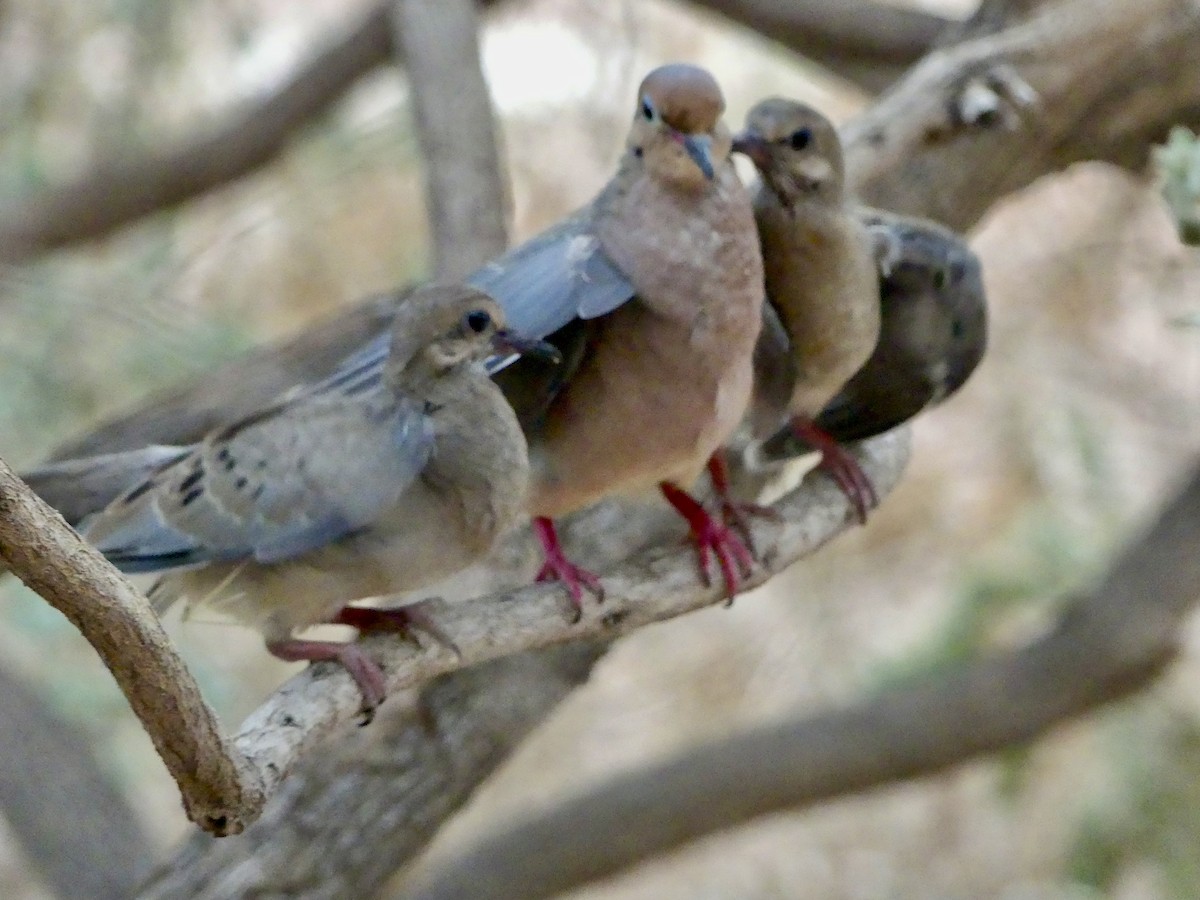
point(933, 335)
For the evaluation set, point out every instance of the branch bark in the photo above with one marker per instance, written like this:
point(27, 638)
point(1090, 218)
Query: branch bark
point(42, 550)
point(1103, 648)
point(868, 43)
point(380, 794)
point(1106, 78)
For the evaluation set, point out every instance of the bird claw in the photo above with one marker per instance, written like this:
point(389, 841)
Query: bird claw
point(558, 568)
point(736, 514)
point(843, 468)
point(712, 539)
point(407, 619)
point(367, 675)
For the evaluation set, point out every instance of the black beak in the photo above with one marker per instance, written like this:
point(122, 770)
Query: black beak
point(751, 144)
point(507, 343)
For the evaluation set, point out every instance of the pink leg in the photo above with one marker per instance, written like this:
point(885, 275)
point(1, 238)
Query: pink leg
point(558, 568)
point(365, 671)
point(405, 619)
point(711, 537)
point(843, 468)
point(735, 513)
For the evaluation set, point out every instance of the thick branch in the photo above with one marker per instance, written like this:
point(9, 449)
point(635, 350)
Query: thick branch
point(866, 42)
point(955, 135)
point(42, 550)
point(456, 127)
point(1103, 648)
point(653, 587)
point(379, 794)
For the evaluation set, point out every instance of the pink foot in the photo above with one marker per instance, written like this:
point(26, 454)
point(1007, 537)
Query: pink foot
point(711, 539)
point(558, 568)
point(364, 670)
point(404, 619)
point(843, 468)
point(736, 513)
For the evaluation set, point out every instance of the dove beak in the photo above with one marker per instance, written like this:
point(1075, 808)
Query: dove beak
point(507, 343)
point(752, 145)
point(699, 148)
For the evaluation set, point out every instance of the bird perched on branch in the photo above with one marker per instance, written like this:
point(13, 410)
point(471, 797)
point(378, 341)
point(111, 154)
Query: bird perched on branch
point(821, 265)
point(933, 334)
point(653, 293)
point(282, 517)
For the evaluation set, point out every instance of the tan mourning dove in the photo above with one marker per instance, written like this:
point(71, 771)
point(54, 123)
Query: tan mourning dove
point(283, 517)
point(658, 281)
point(933, 335)
point(821, 270)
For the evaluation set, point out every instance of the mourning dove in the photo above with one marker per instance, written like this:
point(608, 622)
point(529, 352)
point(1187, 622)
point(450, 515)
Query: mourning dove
point(665, 270)
point(933, 335)
point(653, 293)
point(821, 265)
point(282, 517)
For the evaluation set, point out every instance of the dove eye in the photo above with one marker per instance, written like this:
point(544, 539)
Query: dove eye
point(800, 138)
point(940, 277)
point(477, 320)
point(647, 110)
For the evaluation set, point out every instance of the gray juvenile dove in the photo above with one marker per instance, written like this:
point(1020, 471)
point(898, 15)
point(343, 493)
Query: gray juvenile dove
point(282, 517)
point(653, 293)
point(821, 265)
point(933, 335)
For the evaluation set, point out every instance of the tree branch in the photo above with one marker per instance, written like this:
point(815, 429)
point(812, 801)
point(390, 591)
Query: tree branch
point(865, 42)
point(456, 127)
point(471, 719)
point(1103, 648)
point(379, 794)
point(74, 826)
point(120, 192)
point(658, 585)
point(218, 789)
point(852, 41)
point(1104, 78)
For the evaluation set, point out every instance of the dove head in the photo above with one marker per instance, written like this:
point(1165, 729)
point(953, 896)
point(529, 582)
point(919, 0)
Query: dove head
point(443, 328)
point(677, 130)
point(796, 151)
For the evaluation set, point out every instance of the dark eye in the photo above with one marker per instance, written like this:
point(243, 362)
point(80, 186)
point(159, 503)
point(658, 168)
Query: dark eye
point(647, 109)
point(800, 138)
point(940, 277)
point(477, 320)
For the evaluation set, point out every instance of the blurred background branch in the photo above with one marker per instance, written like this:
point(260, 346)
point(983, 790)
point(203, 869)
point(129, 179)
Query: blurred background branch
point(76, 829)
